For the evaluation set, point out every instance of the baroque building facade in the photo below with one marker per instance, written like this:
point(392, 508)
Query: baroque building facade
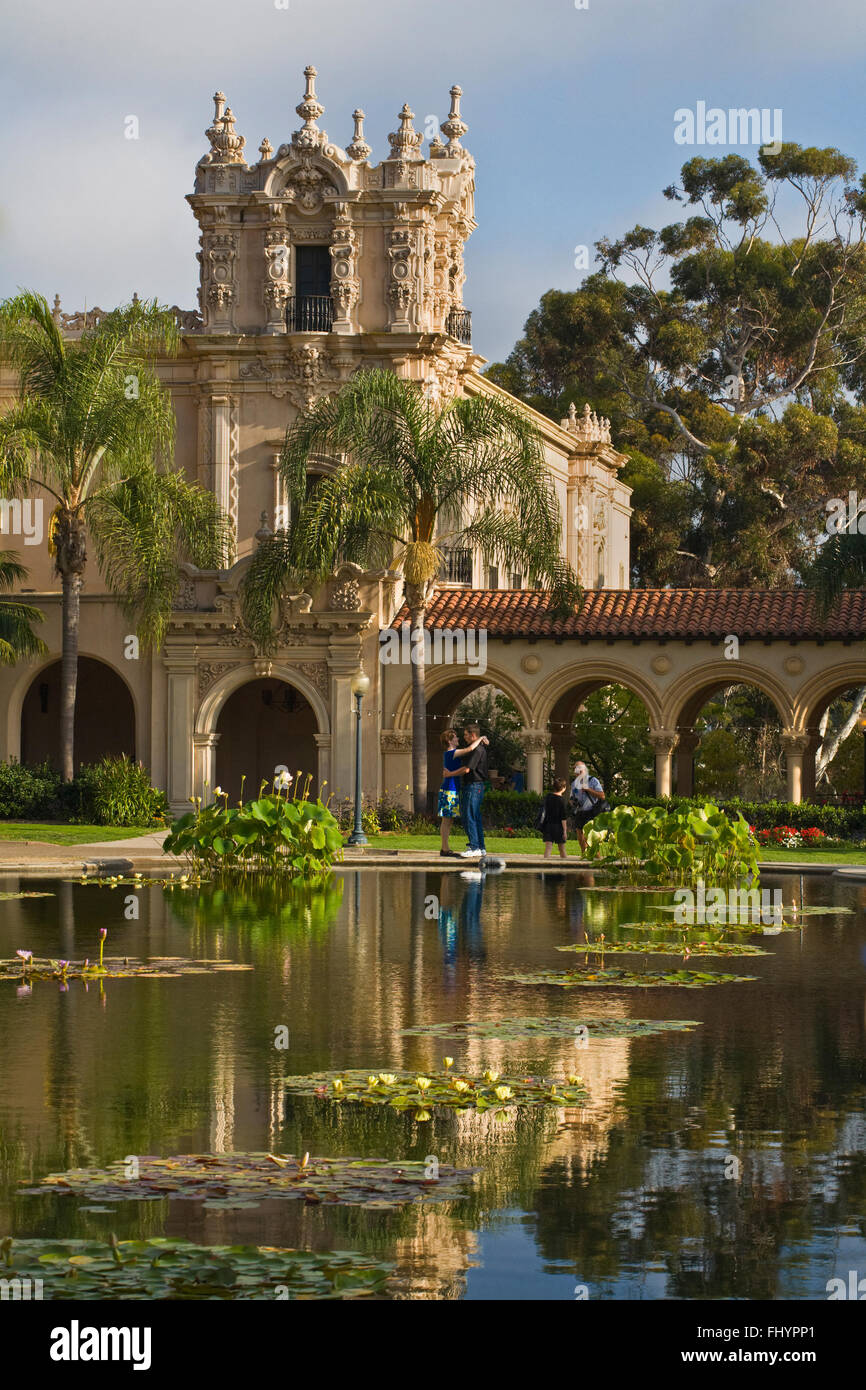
point(316, 262)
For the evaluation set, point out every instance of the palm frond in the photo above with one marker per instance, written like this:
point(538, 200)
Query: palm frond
point(143, 528)
point(840, 565)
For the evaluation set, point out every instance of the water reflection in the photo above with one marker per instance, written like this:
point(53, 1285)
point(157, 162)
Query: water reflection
point(723, 1162)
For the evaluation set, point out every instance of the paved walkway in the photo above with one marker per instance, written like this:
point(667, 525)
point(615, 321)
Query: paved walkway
point(144, 854)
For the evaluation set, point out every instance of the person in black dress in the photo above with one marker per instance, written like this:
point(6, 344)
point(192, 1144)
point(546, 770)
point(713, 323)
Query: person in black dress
point(554, 825)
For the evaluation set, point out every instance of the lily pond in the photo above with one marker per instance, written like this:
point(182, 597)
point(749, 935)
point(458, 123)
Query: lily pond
point(429, 1085)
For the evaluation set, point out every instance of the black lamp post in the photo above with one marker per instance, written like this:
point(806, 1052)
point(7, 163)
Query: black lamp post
point(360, 686)
point(862, 722)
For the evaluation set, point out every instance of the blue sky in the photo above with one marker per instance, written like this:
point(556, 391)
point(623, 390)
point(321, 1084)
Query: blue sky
point(570, 114)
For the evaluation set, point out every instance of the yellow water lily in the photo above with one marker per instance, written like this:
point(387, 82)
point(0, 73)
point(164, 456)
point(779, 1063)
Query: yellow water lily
point(387, 1078)
point(338, 1085)
point(422, 1114)
point(422, 1082)
point(460, 1085)
point(371, 1080)
point(491, 1076)
point(574, 1080)
point(503, 1093)
point(448, 1062)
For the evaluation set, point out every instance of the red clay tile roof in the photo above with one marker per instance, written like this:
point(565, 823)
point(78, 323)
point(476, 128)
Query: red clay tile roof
point(659, 614)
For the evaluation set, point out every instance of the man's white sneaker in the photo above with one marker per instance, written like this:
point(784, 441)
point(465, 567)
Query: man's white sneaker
point(472, 854)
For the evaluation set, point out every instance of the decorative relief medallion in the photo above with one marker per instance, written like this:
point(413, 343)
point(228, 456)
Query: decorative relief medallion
point(793, 665)
point(661, 664)
point(531, 664)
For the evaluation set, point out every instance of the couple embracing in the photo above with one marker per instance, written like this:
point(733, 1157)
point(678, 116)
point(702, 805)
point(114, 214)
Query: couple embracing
point(463, 786)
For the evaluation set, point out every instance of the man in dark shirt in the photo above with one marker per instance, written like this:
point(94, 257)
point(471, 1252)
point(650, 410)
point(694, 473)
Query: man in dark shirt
point(472, 789)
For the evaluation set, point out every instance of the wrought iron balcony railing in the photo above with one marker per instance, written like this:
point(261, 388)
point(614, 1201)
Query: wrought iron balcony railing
point(459, 325)
point(309, 313)
point(457, 566)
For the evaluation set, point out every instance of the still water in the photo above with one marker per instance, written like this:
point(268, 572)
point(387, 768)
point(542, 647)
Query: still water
point(630, 1197)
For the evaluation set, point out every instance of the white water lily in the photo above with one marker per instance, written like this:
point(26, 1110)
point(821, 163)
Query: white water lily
point(387, 1078)
point(491, 1076)
point(422, 1082)
point(503, 1093)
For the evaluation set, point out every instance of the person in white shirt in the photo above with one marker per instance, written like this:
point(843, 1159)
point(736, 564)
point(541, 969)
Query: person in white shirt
point(586, 799)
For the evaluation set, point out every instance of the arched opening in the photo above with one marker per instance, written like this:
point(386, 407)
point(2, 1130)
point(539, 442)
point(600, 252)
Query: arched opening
point(834, 763)
point(264, 724)
point(104, 715)
point(476, 700)
point(607, 726)
point(730, 744)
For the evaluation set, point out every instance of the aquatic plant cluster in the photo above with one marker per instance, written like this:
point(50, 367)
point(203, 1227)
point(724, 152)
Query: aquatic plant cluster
point(276, 834)
point(239, 1181)
point(674, 846)
point(166, 1268)
point(406, 1091)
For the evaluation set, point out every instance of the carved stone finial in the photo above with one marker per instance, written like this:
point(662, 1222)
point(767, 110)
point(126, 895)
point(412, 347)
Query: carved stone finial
point(264, 532)
point(309, 108)
point(406, 141)
point(266, 149)
point(359, 149)
point(226, 146)
point(590, 428)
point(55, 312)
point(455, 126)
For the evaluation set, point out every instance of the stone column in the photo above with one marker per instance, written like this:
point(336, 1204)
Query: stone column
point(205, 748)
point(688, 742)
point(222, 465)
point(535, 743)
point(179, 729)
point(664, 741)
point(809, 773)
point(323, 744)
point(795, 743)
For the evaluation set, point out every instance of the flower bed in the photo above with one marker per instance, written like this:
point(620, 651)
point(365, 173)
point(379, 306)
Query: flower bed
point(792, 837)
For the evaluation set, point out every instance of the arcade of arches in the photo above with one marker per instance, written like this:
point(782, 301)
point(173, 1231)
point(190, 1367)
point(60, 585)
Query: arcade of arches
point(208, 708)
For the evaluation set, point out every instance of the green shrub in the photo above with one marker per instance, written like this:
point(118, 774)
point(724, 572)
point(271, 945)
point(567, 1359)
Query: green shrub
point(843, 822)
point(115, 791)
point(28, 793)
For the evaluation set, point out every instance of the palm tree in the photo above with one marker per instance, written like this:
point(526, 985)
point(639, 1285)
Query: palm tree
point(415, 477)
point(93, 427)
point(17, 637)
point(840, 564)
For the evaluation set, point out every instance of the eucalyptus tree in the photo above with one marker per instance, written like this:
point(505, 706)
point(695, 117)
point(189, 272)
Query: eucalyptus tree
point(416, 479)
point(93, 428)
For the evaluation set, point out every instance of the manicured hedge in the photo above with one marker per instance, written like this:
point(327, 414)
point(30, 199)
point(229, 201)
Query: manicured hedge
point(520, 810)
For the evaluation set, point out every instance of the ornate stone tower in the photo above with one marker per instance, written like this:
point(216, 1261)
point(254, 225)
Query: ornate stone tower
point(315, 239)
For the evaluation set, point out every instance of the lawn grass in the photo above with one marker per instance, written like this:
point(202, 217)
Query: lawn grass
point(532, 844)
point(70, 834)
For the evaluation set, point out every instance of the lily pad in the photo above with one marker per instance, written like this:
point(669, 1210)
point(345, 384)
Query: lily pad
point(507, 1028)
point(700, 929)
point(173, 1269)
point(668, 948)
point(816, 910)
point(627, 979)
point(235, 1181)
point(7, 897)
point(407, 1090)
point(113, 968)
